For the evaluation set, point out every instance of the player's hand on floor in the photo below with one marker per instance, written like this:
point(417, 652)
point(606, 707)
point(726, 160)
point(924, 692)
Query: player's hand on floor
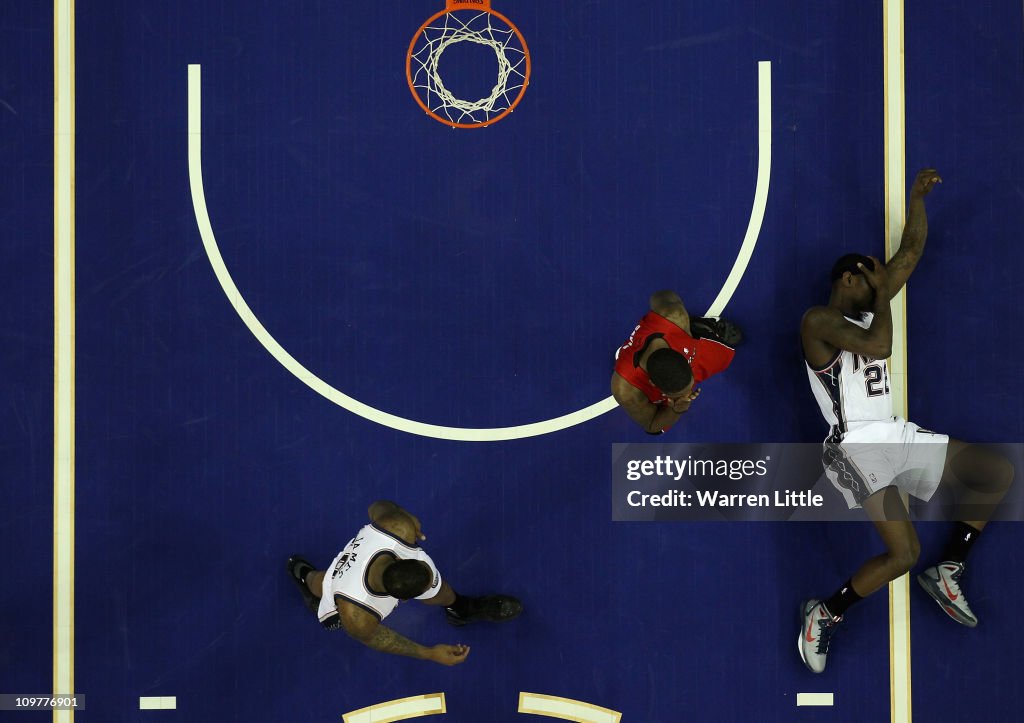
point(449, 654)
point(925, 182)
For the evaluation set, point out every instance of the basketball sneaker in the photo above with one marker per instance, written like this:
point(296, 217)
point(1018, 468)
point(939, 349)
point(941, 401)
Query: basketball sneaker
point(493, 608)
point(817, 625)
point(942, 582)
point(717, 329)
point(298, 568)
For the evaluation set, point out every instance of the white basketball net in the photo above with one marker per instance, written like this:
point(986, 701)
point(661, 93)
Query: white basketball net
point(480, 28)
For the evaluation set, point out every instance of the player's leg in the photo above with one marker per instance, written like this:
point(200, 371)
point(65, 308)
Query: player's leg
point(315, 583)
point(461, 609)
point(979, 478)
point(902, 548)
point(819, 618)
point(445, 596)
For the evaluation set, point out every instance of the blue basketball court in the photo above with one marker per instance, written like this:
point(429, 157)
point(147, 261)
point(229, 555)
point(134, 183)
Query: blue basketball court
point(295, 292)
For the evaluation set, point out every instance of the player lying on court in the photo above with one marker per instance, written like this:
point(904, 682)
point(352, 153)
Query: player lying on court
point(871, 455)
point(667, 354)
point(380, 566)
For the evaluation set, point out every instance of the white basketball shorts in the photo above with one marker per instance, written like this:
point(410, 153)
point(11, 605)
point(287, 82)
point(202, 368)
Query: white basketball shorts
point(876, 455)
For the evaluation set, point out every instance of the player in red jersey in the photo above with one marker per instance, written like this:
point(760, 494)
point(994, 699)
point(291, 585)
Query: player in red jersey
point(666, 355)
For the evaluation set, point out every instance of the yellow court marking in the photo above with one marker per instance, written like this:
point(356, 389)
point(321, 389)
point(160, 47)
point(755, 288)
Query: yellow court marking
point(803, 699)
point(566, 709)
point(163, 702)
point(63, 353)
point(400, 709)
point(895, 216)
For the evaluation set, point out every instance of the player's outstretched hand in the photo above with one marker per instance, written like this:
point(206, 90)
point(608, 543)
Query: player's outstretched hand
point(449, 654)
point(877, 279)
point(924, 182)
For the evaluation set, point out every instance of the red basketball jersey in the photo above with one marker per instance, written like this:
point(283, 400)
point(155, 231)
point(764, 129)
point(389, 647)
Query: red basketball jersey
point(706, 356)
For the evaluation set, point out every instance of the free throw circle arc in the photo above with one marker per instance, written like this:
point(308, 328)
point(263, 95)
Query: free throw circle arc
point(465, 434)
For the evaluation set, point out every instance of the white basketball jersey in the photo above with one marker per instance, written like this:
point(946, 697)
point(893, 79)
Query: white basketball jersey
point(346, 577)
point(852, 389)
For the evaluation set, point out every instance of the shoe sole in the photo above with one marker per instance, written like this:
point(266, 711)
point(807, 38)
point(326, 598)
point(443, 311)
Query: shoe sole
point(931, 587)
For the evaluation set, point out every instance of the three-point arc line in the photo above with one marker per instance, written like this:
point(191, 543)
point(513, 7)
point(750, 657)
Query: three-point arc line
point(465, 434)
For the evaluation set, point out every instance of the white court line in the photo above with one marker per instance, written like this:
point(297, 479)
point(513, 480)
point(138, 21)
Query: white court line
point(402, 709)
point(566, 709)
point(805, 699)
point(764, 171)
point(465, 434)
point(63, 353)
point(162, 702)
point(895, 214)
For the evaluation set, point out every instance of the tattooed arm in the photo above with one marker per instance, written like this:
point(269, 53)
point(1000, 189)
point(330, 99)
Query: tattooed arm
point(915, 231)
point(365, 628)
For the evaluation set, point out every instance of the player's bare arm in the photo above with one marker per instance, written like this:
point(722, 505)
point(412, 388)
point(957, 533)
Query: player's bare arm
point(396, 520)
point(652, 417)
point(824, 329)
point(362, 626)
point(915, 232)
point(668, 304)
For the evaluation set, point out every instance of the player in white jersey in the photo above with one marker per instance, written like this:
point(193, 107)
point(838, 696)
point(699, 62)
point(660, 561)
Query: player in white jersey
point(382, 565)
point(870, 455)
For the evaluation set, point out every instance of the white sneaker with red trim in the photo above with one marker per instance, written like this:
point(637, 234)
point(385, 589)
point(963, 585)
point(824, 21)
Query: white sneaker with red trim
point(817, 625)
point(942, 582)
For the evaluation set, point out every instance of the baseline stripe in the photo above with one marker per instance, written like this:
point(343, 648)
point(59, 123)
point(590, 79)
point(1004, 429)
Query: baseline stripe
point(465, 434)
point(415, 706)
point(162, 702)
point(813, 699)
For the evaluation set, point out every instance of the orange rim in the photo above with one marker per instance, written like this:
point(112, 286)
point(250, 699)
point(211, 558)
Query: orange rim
point(484, 6)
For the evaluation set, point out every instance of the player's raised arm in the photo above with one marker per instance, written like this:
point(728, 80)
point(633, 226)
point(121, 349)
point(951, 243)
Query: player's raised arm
point(824, 330)
point(362, 626)
point(915, 232)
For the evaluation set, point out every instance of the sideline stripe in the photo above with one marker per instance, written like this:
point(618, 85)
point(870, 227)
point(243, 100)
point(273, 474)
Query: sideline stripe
point(465, 434)
point(895, 214)
point(63, 353)
point(566, 709)
point(416, 706)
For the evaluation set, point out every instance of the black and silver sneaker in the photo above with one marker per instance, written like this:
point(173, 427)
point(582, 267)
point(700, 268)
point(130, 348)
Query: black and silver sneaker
point(491, 608)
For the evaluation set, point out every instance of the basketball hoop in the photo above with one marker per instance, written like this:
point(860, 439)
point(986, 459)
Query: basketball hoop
point(470, 21)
